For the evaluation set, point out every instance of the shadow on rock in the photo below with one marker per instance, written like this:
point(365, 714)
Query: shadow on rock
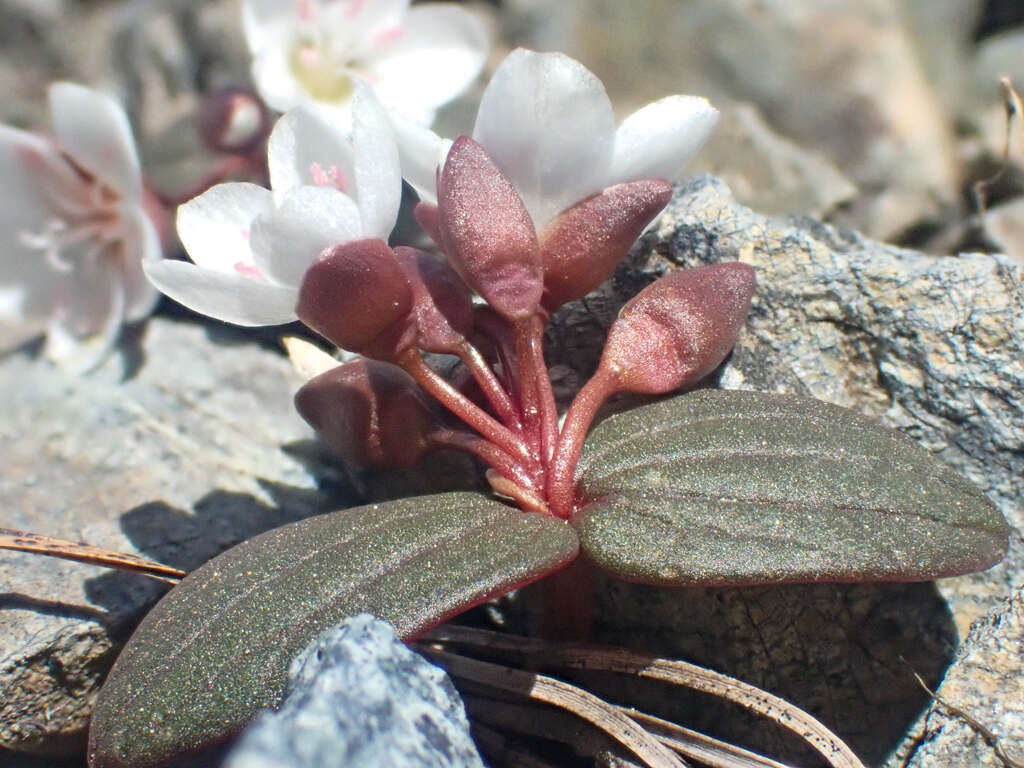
point(186, 540)
point(843, 652)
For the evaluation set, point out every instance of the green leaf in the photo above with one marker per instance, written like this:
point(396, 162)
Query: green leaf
point(726, 488)
point(217, 648)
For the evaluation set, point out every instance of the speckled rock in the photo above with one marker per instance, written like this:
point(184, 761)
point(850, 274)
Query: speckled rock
point(359, 697)
point(987, 683)
point(197, 449)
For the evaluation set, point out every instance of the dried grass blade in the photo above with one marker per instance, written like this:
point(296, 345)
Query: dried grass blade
point(23, 541)
point(550, 691)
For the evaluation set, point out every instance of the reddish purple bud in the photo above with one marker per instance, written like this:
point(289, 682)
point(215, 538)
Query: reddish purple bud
point(487, 233)
point(678, 329)
point(442, 306)
point(233, 120)
point(370, 412)
point(581, 248)
point(357, 296)
point(429, 218)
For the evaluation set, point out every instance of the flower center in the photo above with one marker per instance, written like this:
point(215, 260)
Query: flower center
point(85, 218)
point(323, 76)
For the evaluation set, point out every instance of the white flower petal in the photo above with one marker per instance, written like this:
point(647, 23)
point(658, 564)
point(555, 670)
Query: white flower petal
point(358, 25)
point(274, 79)
point(306, 150)
point(547, 122)
point(655, 142)
point(420, 153)
point(215, 227)
point(142, 244)
point(94, 129)
point(432, 57)
point(226, 296)
point(286, 241)
point(378, 176)
point(267, 22)
point(89, 315)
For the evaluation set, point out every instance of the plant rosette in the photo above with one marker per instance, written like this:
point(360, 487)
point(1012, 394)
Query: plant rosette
point(709, 488)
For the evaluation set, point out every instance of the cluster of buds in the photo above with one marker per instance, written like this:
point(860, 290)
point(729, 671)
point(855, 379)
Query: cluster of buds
point(391, 305)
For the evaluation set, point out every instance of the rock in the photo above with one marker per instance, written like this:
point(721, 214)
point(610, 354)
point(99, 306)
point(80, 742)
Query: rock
point(359, 697)
point(987, 682)
point(767, 172)
point(185, 457)
point(839, 78)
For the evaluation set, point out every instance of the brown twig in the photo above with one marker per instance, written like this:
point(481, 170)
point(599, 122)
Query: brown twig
point(1014, 111)
point(990, 738)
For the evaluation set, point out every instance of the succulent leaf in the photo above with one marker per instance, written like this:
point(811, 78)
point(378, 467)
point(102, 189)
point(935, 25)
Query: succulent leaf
point(726, 488)
point(216, 648)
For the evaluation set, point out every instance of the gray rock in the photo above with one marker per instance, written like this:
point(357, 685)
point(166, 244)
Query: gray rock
point(987, 683)
point(195, 451)
point(359, 697)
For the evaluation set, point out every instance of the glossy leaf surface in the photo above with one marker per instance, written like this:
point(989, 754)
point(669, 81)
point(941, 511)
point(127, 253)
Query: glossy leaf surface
point(725, 487)
point(217, 648)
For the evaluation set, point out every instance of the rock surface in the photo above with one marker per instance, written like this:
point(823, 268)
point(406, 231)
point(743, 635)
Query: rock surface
point(358, 696)
point(987, 683)
point(177, 462)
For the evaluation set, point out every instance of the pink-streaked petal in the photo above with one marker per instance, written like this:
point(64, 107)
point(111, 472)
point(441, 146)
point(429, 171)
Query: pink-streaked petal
point(421, 152)
point(356, 25)
point(429, 59)
point(94, 130)
point(29, 165)
point(547, 122)
point(306, 150)
point(215, 227)
point(227, 296)
point(286, 241)
point(657, 141)
point(378, 176)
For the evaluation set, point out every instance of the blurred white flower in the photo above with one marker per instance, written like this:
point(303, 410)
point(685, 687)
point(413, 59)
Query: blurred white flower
point(251, 246)
point(547, 122)
point(312, 51)
point(73, 230)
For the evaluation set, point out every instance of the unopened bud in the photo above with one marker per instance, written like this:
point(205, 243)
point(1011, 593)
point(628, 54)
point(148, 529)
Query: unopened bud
point(678, 329)
point(233, 120)
point(442, 306)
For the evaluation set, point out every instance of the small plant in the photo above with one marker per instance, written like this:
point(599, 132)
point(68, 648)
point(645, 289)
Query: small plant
point(708, 488)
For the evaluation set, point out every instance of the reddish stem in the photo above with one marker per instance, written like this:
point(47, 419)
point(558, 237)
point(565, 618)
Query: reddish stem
point(496, 329)
point(568, 597)
point(413, 364)
point(562, 469)
point(487, 452)
point(538, 370)
point(492, 389)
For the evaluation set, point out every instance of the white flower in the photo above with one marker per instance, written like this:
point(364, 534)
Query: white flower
point(251, 246)
point(547, 122)
point(312, 51)
point(73, 230)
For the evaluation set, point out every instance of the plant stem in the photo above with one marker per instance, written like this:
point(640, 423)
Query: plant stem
point(487, 452)
point(412, 362)
point(562, 469)
point(495, 393)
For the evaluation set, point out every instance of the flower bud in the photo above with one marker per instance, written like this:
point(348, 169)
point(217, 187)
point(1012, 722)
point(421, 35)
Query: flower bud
point(442, 306)
point(357, 296)
point(582, 246)
point(678, 329)
point(487, 233)
point(429, 219)
point(233, 120)
point(370, 412)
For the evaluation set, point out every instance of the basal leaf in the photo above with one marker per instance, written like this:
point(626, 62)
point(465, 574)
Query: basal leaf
point(726, 487)
point(216, 649)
